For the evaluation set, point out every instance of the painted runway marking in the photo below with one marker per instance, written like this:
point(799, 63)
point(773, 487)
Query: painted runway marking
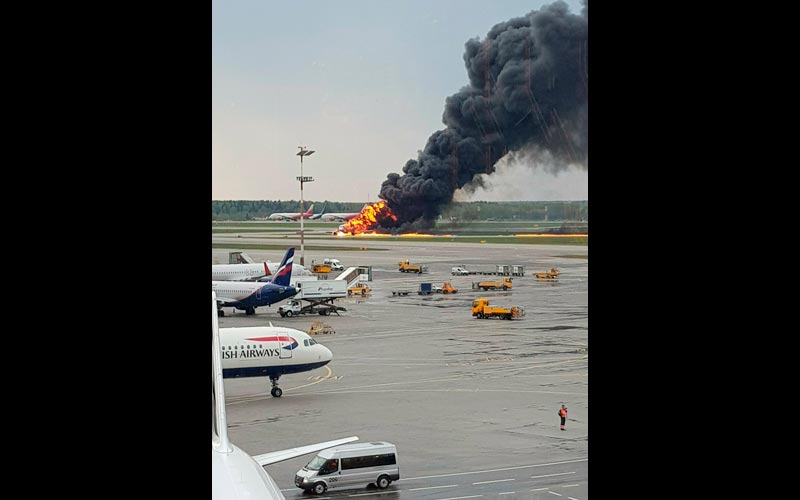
point(554, 493)
point(504, 469)
point(570, 485)
point(330, 372)
point(507, 493)
point(434, 487)
point(540, 489)
point(459, 498)
point(551, 475)
point(495, 481)
point(365, 494)
point(570, 498)
point(256, 397)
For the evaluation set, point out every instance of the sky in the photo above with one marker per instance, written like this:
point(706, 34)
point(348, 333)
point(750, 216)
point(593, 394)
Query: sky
point(362, 83)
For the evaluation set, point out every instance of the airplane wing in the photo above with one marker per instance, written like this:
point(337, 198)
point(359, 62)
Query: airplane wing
point(280, 456)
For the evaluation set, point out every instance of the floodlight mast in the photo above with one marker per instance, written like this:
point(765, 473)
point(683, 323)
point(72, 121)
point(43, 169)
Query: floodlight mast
point(303, 152)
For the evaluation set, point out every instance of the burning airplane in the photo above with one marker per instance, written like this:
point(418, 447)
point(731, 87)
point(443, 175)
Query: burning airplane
point(527, 93)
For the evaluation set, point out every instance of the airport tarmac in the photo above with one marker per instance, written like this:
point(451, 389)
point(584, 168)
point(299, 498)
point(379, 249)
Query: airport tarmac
point(470, 403)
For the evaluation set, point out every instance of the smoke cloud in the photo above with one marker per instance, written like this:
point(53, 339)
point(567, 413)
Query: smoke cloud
point(528, 90)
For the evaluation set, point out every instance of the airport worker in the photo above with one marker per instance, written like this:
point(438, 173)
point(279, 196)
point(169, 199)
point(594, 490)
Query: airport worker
point(562, 412)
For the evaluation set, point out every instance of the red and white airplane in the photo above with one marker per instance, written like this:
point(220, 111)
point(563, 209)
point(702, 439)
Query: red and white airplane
point(337, 216)
point(287, 216)
point(236, 475)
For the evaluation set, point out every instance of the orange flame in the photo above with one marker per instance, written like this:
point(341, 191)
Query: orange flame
point(370, 216)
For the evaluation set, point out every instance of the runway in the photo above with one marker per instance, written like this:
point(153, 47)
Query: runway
point(470, 403)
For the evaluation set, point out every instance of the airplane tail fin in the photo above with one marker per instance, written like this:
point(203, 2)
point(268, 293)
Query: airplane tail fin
point(317, 216)
point(310, 211)
point(284, 273)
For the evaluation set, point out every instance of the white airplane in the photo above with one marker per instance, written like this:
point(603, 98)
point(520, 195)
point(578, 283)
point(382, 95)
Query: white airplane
point(339, 216)
point(287, 216)
point(252, 272)
point(270, 351)
point(236, 475)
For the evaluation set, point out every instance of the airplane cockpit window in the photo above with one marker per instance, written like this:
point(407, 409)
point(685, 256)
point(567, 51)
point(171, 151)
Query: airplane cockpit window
point(305, 343)
point(311, 341)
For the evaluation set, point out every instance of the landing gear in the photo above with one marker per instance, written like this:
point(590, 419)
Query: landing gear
point(221, 313)
point(276, 391)
point(250, 311)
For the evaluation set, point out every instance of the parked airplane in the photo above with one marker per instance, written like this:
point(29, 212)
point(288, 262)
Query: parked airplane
point(252, 272)
point(317, 216)
point(247, 296)
point(235, 474)
point(339, 216)
point(292, 216)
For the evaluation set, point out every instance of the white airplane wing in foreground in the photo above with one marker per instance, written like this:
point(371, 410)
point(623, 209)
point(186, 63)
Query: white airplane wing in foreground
point(280, 456)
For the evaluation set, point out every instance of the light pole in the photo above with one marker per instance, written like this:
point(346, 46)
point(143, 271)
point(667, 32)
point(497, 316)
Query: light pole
point(303, 152)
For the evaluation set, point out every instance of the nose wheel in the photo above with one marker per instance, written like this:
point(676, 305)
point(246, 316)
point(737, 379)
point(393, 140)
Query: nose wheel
point(276, 391)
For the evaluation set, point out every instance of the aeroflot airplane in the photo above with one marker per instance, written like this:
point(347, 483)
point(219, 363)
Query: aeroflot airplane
point(236, 475)
point(247, 296)
point(270, 351)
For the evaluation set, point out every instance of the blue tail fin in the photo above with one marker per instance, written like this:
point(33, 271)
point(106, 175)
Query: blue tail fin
point(284, 272)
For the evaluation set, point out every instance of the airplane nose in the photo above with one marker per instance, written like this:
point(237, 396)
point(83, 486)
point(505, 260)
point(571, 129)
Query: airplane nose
point(325, 354)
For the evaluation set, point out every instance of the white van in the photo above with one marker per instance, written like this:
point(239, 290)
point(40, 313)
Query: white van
point(334, 263)
point(350, 465)
point(459, 271)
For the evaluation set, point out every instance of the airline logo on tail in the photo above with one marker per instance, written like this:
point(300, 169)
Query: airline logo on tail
point(284, 272)
point(278, 338)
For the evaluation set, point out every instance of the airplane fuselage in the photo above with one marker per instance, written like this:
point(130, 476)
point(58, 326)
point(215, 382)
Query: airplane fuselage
point(246, 272)
point(249, 295)
point(338, 217)
point(262, 351)
point(287, 216)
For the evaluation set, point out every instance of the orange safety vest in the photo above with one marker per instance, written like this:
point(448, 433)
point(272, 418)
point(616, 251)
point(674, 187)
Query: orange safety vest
point(562, 412)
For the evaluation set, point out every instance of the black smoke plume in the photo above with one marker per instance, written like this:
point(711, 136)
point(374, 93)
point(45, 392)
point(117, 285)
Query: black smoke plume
point(528, 89)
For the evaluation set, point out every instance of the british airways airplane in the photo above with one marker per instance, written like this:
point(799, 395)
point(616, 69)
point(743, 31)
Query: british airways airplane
point(236, 475)
point(247, 296)
point(270, 351)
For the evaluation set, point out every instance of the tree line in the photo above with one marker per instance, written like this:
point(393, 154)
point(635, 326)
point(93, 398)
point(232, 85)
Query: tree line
point(242, 210)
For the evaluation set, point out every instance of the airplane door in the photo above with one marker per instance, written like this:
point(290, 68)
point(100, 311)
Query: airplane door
point(285, 344)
